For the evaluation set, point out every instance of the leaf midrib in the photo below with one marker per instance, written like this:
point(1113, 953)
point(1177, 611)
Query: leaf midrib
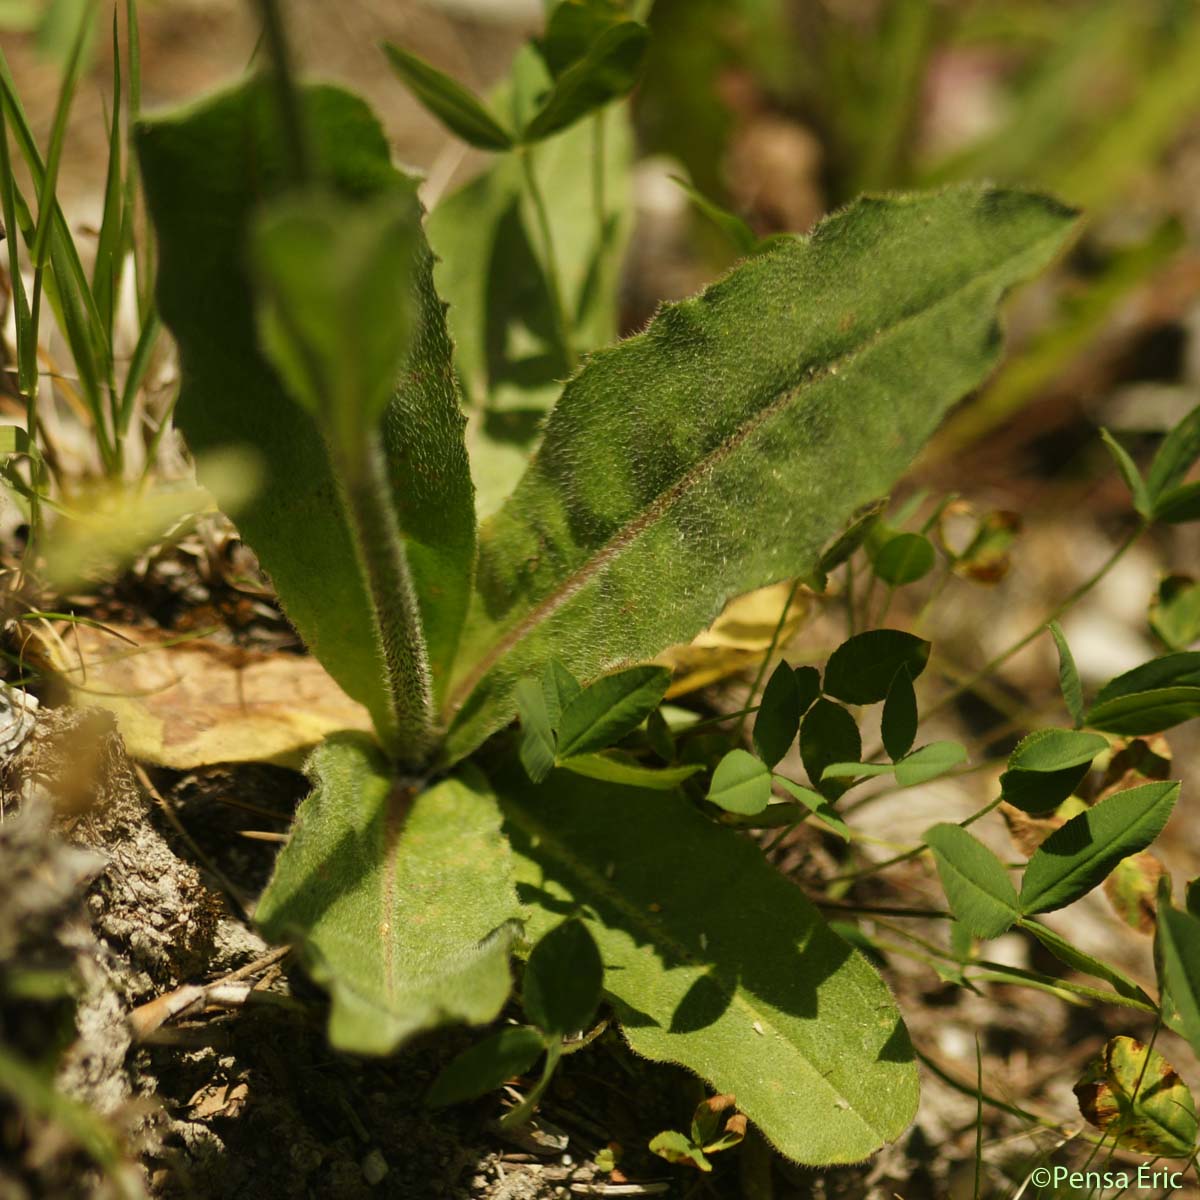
point(983, 891)
point(633, 529)
point(545, 839)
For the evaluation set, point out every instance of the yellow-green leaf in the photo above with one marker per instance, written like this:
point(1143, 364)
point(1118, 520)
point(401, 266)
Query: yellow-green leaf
point(1137, 1100)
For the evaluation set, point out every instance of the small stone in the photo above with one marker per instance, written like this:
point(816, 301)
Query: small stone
point(374, 1168)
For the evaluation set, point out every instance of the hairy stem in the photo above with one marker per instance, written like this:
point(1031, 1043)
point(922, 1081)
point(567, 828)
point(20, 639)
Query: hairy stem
point(410, 736)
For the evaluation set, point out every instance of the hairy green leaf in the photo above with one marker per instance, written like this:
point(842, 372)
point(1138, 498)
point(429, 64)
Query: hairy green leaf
point(365, 855)
point(715, 961)
point(605, 711)
point(980, 893)
point(1080, 854)
point(1052, 750)
point(335, 286)
point(861, 670)
point(486, 1066)
point(662, 467)
point(741, 783)
point(208, 170)
point(563, 979)
point(899, 724)
point(778, 718)
point(446, 98)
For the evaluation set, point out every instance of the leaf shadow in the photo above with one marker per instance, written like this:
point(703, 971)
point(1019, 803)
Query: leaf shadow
point(726, 929)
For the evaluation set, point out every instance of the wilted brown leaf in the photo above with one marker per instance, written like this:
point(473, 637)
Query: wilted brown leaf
point(197, 702)
point(1132, 1093)
point(1132, 889)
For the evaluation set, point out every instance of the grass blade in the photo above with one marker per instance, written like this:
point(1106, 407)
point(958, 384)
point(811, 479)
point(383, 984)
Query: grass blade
point(107, 269)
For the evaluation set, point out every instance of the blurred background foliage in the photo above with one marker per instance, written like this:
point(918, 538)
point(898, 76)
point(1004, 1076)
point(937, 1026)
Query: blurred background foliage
point(778, 111)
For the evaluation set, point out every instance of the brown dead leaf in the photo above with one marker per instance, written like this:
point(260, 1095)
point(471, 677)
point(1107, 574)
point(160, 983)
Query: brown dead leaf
point(1029, 832)
point(1138, 761)
point(737, 639)
point(194, 703)
point(1132, 885)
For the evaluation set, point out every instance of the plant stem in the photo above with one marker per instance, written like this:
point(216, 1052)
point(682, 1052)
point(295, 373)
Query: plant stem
point(290, 117)
point(410, 734)
point(1082, 590)
point(881, 910)
point(553, 278)
point(517, 1117)
point(719, 719)
point(762, 666)
point(915, 852)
